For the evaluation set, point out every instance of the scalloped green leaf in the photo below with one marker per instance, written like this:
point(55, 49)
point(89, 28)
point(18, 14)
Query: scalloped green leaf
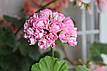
point(50, 64)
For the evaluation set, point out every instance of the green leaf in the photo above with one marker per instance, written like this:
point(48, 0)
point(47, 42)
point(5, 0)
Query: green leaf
point(81, 68)
point(15, 21)
point(15, 62)
point(7, 41)
point(96, 49)
point(28, 50)
point(50, 64)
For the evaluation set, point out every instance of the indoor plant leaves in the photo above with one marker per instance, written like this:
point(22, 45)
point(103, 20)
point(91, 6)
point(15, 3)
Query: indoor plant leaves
point(50, 64)
point(81, 68)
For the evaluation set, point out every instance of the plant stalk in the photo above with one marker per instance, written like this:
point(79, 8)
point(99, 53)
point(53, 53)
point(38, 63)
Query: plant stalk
point(52, 50)
point(67, 57)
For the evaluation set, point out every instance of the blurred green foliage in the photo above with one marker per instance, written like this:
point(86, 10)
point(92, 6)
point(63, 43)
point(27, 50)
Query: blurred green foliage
point(96, 49)
point(16, 55)
point(80, 68)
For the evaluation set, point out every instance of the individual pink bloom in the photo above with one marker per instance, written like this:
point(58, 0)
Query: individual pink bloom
point(39, 33)
point(72, 41)
point(64, 36)
point(26, 25)
point(86, 1)
point(52, 20)
point(67, 25)
point(30, 31)
point(26, 35)
point(32, 41)
point(41, 23)
point(51, 37)
point(43, 44)
point(35, 15)
point(74, 32)
point(55, 27)
point(58, 16)
point(45, 13)
point(67, 20)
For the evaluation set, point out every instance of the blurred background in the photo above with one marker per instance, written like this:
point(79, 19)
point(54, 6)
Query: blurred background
point(92, 25)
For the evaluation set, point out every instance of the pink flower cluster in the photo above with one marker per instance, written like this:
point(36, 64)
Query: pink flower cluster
point(46, 27)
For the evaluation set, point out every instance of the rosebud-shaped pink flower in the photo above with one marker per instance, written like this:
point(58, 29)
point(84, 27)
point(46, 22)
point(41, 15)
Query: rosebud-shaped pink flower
point(32, 41)
point(30, 31)
point(64, 36)
point(55, 27)
point(67, 25)
point(51, 37)
point(72, 41)
point(43, 44)
point(58, 16)
point(35, 15)
point(41, 23)
point(39, 33)
point(45, 13)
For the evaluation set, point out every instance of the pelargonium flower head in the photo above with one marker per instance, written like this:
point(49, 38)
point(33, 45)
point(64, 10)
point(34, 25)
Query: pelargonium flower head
point(46, 27)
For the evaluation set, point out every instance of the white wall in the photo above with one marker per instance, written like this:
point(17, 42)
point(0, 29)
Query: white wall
point(103, 27)
point(11, 7)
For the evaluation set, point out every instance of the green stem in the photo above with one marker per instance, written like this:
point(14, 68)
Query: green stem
point(19, 28)
point(67, 57)
point(45, 6)
point(52, 50)
point(36, 12)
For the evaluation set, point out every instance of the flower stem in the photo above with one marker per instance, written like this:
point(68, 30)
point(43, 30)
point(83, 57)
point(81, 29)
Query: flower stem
point(52, 50)
point(45, 6)
point(36, 12)
point(67, 57)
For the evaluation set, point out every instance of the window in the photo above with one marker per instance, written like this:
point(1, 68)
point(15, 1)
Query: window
point(88, 30)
